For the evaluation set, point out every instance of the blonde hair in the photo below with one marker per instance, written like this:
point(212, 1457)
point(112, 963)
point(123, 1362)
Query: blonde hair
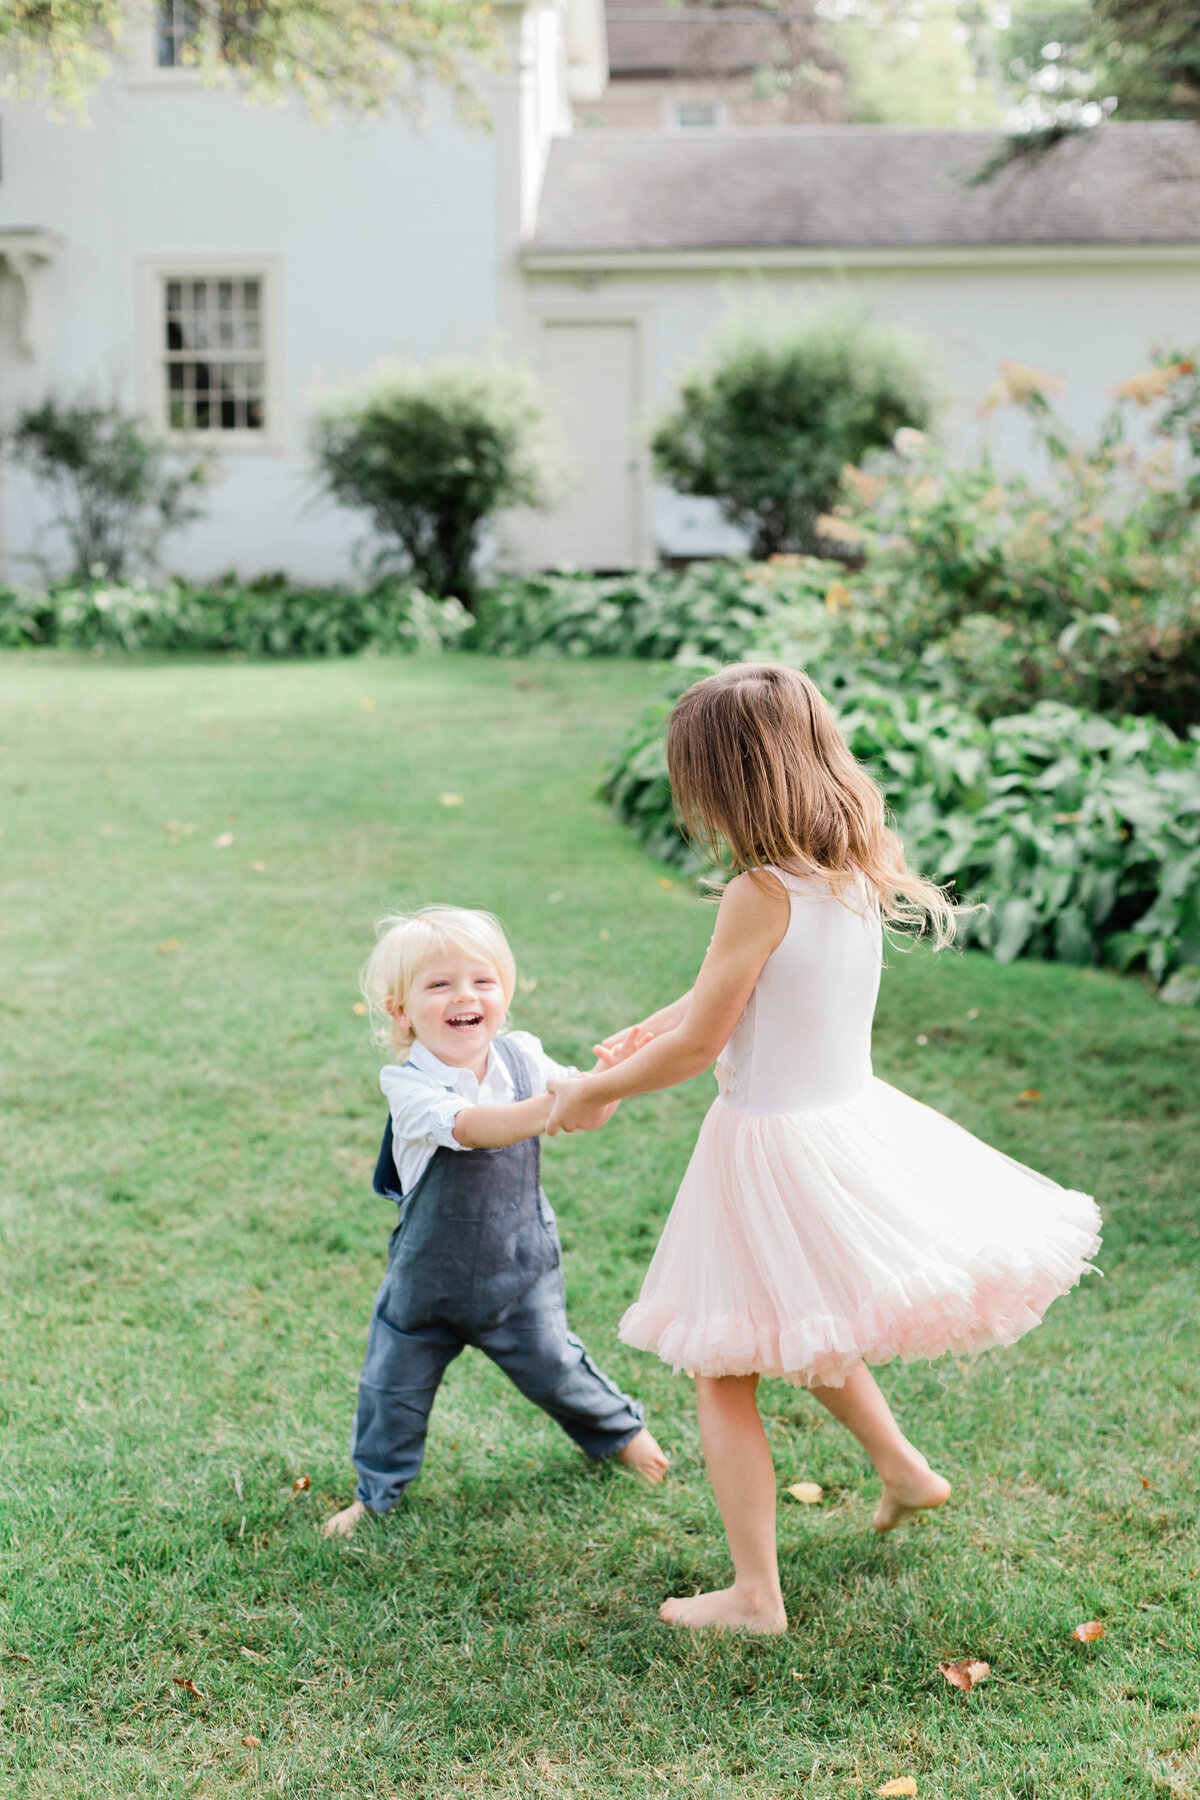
point(406, 942)
point(759, 768)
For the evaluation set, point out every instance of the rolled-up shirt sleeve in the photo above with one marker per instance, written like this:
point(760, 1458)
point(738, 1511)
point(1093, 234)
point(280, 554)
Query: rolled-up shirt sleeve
point(422, 1113)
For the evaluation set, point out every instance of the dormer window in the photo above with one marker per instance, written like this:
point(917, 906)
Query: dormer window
point(178, 27)
point(696, 115)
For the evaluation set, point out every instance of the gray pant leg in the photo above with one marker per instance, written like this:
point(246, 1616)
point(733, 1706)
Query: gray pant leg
point(553, 1369)
point(400, 1377)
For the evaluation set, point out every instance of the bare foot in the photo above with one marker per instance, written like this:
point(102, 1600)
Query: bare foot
point(727, 1610)
point(342, 1523)
point(918, 1491)
point(643, 1455)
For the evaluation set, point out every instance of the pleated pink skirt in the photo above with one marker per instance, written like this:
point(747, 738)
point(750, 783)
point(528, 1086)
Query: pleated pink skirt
point(802, 1243)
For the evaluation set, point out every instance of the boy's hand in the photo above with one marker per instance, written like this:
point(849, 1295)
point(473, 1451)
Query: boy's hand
point(573, 1111)
point(621, 1046)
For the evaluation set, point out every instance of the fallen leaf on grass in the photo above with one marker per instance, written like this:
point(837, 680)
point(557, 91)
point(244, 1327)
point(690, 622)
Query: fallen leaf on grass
point(903, 1784)
point(808, 1492)
point(664, 881)
point(965, 1674)
point(251, 1742)
point(223, 840)
point(1144, 1482)
point(450, 799)
point(358, 1008)
point(972, 1012)
point(1089, 1631)
point(166, 949)
point(1030, 1094)
point(188, 1685)
point(300, 1484)
point(251, 1655)
point(18, 1656)
point(526, 984)
point(260, 868)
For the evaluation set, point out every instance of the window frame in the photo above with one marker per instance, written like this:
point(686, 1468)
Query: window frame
point(720, 119)
point(154, 274)
point(144, 69)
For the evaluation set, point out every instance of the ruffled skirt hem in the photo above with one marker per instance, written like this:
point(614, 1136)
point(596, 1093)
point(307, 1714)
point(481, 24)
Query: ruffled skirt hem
point(803, 1244)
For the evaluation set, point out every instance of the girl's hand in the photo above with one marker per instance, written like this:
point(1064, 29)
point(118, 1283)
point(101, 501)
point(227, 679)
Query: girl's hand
point(574, 1110)
point(620, 1046)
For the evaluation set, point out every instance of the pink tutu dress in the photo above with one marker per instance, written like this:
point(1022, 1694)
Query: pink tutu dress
point(825, 1218)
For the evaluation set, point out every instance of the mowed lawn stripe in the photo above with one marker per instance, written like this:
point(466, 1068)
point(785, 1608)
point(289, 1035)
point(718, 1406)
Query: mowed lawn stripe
point(190, 1250)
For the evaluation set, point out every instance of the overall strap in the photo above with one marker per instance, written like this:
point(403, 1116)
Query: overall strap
point(387, 1177)
point(517, 1067)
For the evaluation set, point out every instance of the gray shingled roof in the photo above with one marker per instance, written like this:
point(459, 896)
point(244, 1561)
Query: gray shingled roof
point(830, 186)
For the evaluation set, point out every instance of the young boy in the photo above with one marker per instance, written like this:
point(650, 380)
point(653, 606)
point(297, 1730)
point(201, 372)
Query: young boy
point(475, 1257)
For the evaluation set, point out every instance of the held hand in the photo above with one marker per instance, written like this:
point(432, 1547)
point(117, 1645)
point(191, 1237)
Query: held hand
point(573, 1111)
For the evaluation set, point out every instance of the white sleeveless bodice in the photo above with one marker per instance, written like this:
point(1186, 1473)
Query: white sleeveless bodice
point(804, 1040)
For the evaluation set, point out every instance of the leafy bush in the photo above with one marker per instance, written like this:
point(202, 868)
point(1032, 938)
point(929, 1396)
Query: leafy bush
point(711, 610)
point(432, 455)
point(1003, 592)
point(266, 618)
point(1081, 834)
point(765, 427)
point(116, 492)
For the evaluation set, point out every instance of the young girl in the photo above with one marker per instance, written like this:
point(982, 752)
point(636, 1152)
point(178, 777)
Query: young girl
point(825, 1220)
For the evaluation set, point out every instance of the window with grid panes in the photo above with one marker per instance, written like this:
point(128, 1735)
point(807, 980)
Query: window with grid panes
point(178, 26)
point(216, 371)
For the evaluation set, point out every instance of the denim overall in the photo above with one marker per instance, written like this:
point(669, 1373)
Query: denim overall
point(474, 1259)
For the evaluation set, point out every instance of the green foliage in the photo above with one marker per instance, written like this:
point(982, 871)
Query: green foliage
point(116, 492)
point(766, 424)
point(1003, 592)
point(1150, 51)
point(1080, 834)
point(269, 617)
point(711, 610)
point(359, 55)
point(432, 455)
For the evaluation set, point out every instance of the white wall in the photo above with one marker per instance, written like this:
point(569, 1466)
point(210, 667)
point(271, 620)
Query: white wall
point(1092, 324)
point(387, 242)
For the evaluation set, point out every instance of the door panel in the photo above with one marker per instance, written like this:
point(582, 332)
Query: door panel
point(589, 374)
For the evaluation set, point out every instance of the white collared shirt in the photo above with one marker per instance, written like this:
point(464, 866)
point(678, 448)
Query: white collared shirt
point(426, 1095)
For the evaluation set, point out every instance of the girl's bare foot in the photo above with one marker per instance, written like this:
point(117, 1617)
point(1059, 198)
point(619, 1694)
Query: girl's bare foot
point(643, 1455)
point(916, 1491)
point(727, 1610)
point(342, 1523)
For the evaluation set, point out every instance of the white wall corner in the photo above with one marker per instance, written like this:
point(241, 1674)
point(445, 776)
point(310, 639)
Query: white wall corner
point(587, 49)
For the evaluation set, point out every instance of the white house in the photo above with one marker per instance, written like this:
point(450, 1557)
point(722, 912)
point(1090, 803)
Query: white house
point(217, 264)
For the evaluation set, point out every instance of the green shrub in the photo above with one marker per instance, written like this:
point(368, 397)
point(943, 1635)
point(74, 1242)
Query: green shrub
point(711, 610)
point(1081, 834)
point(1084, 588)
point(264, 618)
point(765, 426)
point(432, 455)
point(115, 492)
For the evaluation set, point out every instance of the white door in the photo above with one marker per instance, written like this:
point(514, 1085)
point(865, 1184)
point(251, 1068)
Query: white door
point(589, 372)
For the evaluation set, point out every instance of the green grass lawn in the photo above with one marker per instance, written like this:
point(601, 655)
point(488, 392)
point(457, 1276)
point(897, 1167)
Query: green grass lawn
point(190, 1251)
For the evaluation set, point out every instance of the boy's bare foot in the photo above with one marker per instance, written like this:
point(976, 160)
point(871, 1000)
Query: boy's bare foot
point(917, 1491)
point(643, 1455)
point(342, 1523)
point(727, 1610)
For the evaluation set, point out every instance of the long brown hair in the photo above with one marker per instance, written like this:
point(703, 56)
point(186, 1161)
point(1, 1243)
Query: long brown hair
point(759, 769)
